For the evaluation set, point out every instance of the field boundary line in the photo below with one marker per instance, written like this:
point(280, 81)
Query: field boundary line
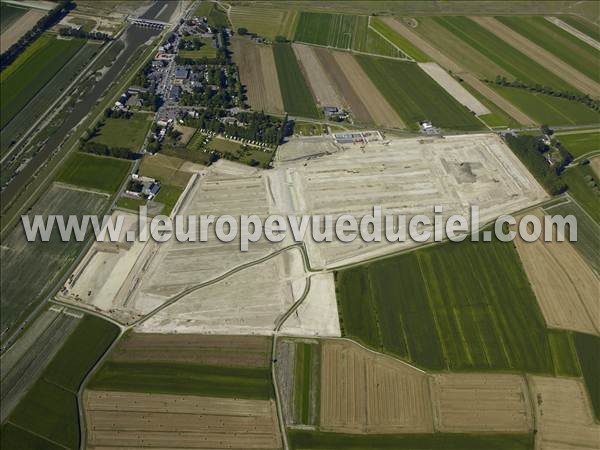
point(408, 57)
point(27, 430)
point(359, 52)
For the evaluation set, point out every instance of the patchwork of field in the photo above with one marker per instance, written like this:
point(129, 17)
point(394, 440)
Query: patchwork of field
point(323, 88)
point(234, 351)
point(259, 74)
point(563, 414)
point(362, 392)
point(453, 87)
point(415, 96)
point(167, 169)
point(459, 307)
point(344, 31)
point(550, 60)
point(9, 15)
point(383, 27)
point(565, 286)
point(459, 58)
point(125, 133)
point(482, 403)
point(588, 232)
point(584, 186)
point(297, 97)
point(17, 25)
point(24, 361)
point(264, 21)
point(563, 45)
point(583, 26)
point(137, 420)
point(30, 269)
point(30, 72)
point(454, 172)
point(49, 410)
point(377, 106)
point(46, 96)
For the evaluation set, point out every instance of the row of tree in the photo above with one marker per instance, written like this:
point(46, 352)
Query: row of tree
point(54, 16)
point(97, 35)
point(547, 90)
point(102, 149)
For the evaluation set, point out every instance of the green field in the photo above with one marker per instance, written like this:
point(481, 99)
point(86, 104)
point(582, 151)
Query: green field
point(168, 196)
point(49, 409)
point(29, 270)
point(94, 172)
point(400, 41)
point(342, 31)
point(181, 378)
point(509, 58)
point(301, 440)
point(297, 98)
point(588, 232)
point(248, 155)
point(455, 306)
point(14, 437)
point(416, 96)
point(265, 21)
point(132, 204)
point(31, 71)
point(125, 133)
point(584, 186)
point(549, 110)
point(9, 14)
point(204, 52)
point(583, 25)
point(46, 96)
point(578, 144)
point(306, 381)
point(557, 41)
point(588, 350)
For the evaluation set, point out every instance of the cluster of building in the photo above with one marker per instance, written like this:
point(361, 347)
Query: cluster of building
point(142, 187)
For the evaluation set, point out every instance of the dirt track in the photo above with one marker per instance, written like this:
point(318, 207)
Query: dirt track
point(236, 351)
point(258, 74)
point(25, 23)
point(451, 65)
point(540, 55)
point(363, 392)
point(481, 403)
point(565, 286)
point(378, 107)
point(137, 420)
point(563, 415)
point(320, 83)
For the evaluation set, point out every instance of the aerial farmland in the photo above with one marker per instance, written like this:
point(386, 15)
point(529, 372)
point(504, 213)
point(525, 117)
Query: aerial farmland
point(179, 184)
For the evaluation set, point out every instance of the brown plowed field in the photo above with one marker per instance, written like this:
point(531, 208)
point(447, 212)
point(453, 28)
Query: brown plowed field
point(135, 420)
point(565, 286)
point(563, 415)
point(23, 24)
point(365, 392)
point(358, 108)
point(552, 63)
point(482, 403)
point(237, 351)
point(463, 53)
point(321, 85)
point(259, 74)
point(378, 107)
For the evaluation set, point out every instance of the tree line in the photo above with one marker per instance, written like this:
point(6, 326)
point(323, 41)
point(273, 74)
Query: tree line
point(54, 16)
point(96, 35)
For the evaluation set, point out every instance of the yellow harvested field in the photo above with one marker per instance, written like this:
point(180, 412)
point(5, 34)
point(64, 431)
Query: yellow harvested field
point(378, 107)
point(186, 133)
point(23, 24)
point(552, 63)
point(168, 169)
point(481, 403)
point(563, 414)
point(139, 420)
point(565, 286)
point(366, 392)
point(322, 86)
point(455, 50)
point(259, 74)
point(595, 163)
point(264, 21)
point(212, 350)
